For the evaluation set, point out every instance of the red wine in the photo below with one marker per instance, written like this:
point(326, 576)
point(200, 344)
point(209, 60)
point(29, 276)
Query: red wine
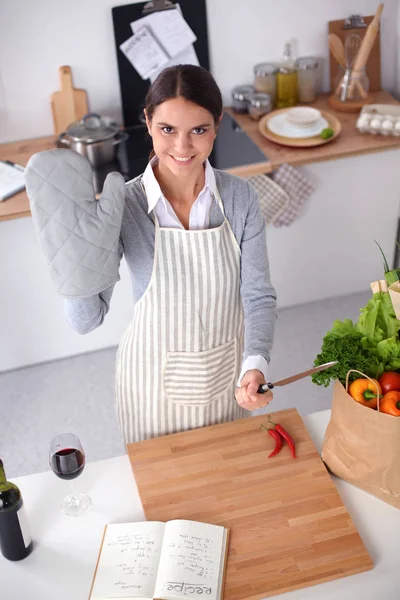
point(68, 463)
point(15, 539)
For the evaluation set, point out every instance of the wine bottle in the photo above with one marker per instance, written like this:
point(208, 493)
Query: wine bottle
point(15, 539)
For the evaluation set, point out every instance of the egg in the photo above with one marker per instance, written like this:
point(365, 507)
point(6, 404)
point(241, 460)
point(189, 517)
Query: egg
point(375, 124)
point(397, 128)
point(362, 123)
point(387, 126)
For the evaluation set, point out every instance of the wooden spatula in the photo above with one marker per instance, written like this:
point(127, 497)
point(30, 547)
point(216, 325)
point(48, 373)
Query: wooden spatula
point(337, 49)
point(69, 104)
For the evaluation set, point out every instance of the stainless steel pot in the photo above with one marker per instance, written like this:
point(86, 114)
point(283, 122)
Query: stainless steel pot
point(95, 137)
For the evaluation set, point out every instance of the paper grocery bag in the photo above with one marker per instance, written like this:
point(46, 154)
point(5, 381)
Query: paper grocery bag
point(362, 446)
point(394, 292)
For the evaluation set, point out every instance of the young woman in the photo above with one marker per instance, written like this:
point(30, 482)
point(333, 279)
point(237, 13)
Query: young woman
point(194, 240)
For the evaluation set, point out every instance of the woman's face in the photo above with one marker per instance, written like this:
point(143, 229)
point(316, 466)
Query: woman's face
point(183, 135)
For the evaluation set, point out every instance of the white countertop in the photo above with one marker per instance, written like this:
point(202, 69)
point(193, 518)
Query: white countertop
point(66, 548)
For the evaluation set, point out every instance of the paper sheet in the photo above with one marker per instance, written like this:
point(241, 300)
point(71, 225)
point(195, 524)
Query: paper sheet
point(187, 57)
point(129, 560)
point(144, 52)
point(190, 562)
point(170, 28)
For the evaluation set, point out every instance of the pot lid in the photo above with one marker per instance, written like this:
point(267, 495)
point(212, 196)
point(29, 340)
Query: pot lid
point(92, 128)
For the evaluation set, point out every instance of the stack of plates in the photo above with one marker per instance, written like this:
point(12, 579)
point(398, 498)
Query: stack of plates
point(299, 126)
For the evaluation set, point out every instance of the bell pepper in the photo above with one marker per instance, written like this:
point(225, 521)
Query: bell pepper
point(364, 391)
point(390, 404)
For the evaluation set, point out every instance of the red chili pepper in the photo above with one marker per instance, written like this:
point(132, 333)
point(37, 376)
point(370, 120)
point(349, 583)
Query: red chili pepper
point(278, 440)
point(286, 436)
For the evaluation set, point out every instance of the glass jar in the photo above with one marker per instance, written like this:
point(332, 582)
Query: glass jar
point(352, 85)
point(240, 97)
point(259, 104)
point(286, 87)
point(307, 74)
point(265, 79)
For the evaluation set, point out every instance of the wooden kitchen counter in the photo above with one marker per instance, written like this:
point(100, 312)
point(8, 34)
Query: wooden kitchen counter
point(349, 143)
point(20, 153)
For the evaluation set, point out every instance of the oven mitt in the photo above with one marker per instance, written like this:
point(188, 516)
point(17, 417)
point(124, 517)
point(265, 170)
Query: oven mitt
point(78, 234)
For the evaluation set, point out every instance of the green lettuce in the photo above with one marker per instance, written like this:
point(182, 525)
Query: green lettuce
point(377, 319)
point(371, 345)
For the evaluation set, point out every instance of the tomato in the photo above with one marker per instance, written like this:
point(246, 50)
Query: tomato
point(390, 381)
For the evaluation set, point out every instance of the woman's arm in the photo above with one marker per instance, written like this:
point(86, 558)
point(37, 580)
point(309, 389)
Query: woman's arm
point(258, 294)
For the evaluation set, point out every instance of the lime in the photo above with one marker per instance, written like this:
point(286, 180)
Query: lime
point(327, 133)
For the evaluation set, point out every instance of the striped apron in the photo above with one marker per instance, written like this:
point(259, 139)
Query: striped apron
point(179, 359)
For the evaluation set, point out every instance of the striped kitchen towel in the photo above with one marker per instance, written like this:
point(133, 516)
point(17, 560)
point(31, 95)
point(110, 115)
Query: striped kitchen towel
point(274, 200)
point(298, 188)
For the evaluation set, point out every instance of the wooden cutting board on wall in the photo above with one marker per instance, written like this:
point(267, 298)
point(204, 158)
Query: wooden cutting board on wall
point(69, 104)
point(374, 61)
point(289, 527)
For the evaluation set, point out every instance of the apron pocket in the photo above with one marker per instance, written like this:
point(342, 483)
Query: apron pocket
point(199, 378)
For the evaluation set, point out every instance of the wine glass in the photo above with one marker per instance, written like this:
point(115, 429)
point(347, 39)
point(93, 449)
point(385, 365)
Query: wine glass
point(67, 461)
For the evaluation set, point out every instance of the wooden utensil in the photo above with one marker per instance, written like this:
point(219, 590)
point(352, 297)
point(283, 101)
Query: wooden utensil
point(366, 46)
point(337, 49)
point(69, 104)
point(368, 41)
point(316, 140)
point(289, 527)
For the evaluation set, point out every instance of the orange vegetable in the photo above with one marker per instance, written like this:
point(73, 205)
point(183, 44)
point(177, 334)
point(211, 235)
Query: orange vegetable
point(364, 391)
point(390, 404)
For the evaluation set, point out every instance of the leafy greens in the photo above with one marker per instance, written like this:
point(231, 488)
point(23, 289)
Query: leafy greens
point(371, 345)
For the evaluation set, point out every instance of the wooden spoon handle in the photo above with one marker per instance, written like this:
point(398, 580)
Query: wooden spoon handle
point(337, 49)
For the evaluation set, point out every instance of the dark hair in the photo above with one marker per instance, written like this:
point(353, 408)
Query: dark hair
point(190, 82)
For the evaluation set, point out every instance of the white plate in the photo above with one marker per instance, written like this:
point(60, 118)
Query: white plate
point(280, 126)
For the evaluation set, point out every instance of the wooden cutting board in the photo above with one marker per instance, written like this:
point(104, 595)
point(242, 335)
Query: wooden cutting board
point(289, 527)
point(69, 104)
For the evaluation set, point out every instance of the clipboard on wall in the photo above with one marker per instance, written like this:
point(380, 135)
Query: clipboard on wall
point(132, 87)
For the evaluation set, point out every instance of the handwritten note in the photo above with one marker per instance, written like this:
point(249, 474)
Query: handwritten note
point(190, 560)
point(186, 57)
point(144, 52)
point(129, 560)
point(170, 28)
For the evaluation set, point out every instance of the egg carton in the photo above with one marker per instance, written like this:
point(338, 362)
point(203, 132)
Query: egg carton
point(379, 119)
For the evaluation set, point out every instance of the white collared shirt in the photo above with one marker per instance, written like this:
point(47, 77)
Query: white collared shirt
point(199, 218)
point(199, 213)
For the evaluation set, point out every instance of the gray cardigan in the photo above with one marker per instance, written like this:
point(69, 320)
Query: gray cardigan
point(137, 246)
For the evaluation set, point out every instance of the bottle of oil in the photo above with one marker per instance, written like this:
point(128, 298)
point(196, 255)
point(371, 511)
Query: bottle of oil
point(286, 81)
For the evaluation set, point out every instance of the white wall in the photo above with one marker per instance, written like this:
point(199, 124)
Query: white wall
point(36, 37)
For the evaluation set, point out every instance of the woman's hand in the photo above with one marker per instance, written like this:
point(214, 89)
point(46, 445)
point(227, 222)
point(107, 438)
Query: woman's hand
point(246, 395)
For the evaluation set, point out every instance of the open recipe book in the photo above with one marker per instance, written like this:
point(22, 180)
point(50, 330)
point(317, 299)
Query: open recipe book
point(164, 561)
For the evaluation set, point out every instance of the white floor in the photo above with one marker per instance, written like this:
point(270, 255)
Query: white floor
point(77, 394)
